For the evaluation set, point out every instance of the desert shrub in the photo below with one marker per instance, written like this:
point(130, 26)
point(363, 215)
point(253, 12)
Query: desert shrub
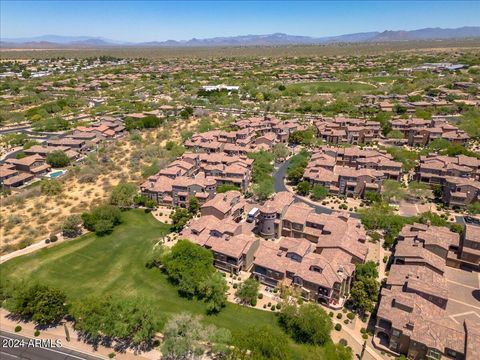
point(102, 219)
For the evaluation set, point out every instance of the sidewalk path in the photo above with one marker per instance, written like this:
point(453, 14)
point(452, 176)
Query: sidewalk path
point(58, 333)
point(37, 246)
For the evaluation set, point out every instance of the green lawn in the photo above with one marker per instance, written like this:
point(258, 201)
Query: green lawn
point(115, 265)
point(328, 87)
point(382, 79)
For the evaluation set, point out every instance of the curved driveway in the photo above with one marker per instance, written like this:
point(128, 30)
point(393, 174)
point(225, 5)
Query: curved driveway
point(279, 185)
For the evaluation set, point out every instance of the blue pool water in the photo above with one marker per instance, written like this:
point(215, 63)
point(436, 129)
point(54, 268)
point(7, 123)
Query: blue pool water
point(56, 174)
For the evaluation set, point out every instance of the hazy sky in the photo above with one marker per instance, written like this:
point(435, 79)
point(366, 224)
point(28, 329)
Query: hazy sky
point(163, 20)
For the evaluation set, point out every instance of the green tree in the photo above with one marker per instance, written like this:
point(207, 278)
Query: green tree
point(302, 137)
point(406, 157)
point(393, 190)
point(395, 134)
point(470, 123)
point(264, 188)
point(127, 320)
point(58, 159)
point(260, 343)
point(382, 216)
point(262, 165)
point(102, 219)
point(399, 109)
point(123, 195)
point(186, 338)
point(364, 292)
point(247, 292)
point(360, 297)
point(296, 166)
point(307, 323)
point(437, 191)
point(367, 270)
point(193, 205)
point(372, 196)
point(180, 217)
point(213, 290)
point(474, 208)
point(71, 226)
point(419, 190)
point(319, 192)
point(26, 74)
point(303, 188)
point(188, 266)
point(142, 200)
point(280, 151)
point(45, 305)
point(295, 175)
point(14, 139)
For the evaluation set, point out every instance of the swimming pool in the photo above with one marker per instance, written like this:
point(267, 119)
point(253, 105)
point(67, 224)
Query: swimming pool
point(56, 174)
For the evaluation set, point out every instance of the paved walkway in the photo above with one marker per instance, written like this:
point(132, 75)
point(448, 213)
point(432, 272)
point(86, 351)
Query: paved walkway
point(37, 246)
point(29, 249)
point(355, 341)
point(58, 333)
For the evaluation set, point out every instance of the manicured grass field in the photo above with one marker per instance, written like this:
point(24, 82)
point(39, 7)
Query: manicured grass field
point(115, 265)
point(328, 87)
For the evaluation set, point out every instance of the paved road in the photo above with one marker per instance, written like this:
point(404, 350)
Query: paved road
point(6, 130)
point(12, 348)
point(41, 137)
point(279, 186)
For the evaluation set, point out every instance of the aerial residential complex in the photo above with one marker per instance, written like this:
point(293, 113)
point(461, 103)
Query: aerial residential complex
point(459, 177)
point(314, 253)
point(17, 172)
point(198, 175)
point(415, 311)
point(351, 171)
point(309, 201)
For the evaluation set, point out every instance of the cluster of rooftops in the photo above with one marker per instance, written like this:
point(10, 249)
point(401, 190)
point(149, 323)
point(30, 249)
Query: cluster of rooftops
point(315, 252)
point(17, 172)
point(412, 314)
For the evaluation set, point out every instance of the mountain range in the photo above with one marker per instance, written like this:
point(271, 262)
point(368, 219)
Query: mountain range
point(277, 39)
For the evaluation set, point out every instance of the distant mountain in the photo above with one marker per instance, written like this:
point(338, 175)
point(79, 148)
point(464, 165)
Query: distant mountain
point(277, 39)
point(63, 40)
point(261, 40)
point(428, 34)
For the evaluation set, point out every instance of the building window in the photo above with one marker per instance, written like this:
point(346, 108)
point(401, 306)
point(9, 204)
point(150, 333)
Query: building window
point(451, 353)
point(396, 333)
point(434, 354)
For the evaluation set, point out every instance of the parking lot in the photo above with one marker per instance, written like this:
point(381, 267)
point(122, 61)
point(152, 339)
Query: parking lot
point(464, 294)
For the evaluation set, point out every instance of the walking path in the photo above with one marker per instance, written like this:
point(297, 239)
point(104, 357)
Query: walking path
point(58, 333)
point(37, 246)
point(355, 341)
point(29, 249)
